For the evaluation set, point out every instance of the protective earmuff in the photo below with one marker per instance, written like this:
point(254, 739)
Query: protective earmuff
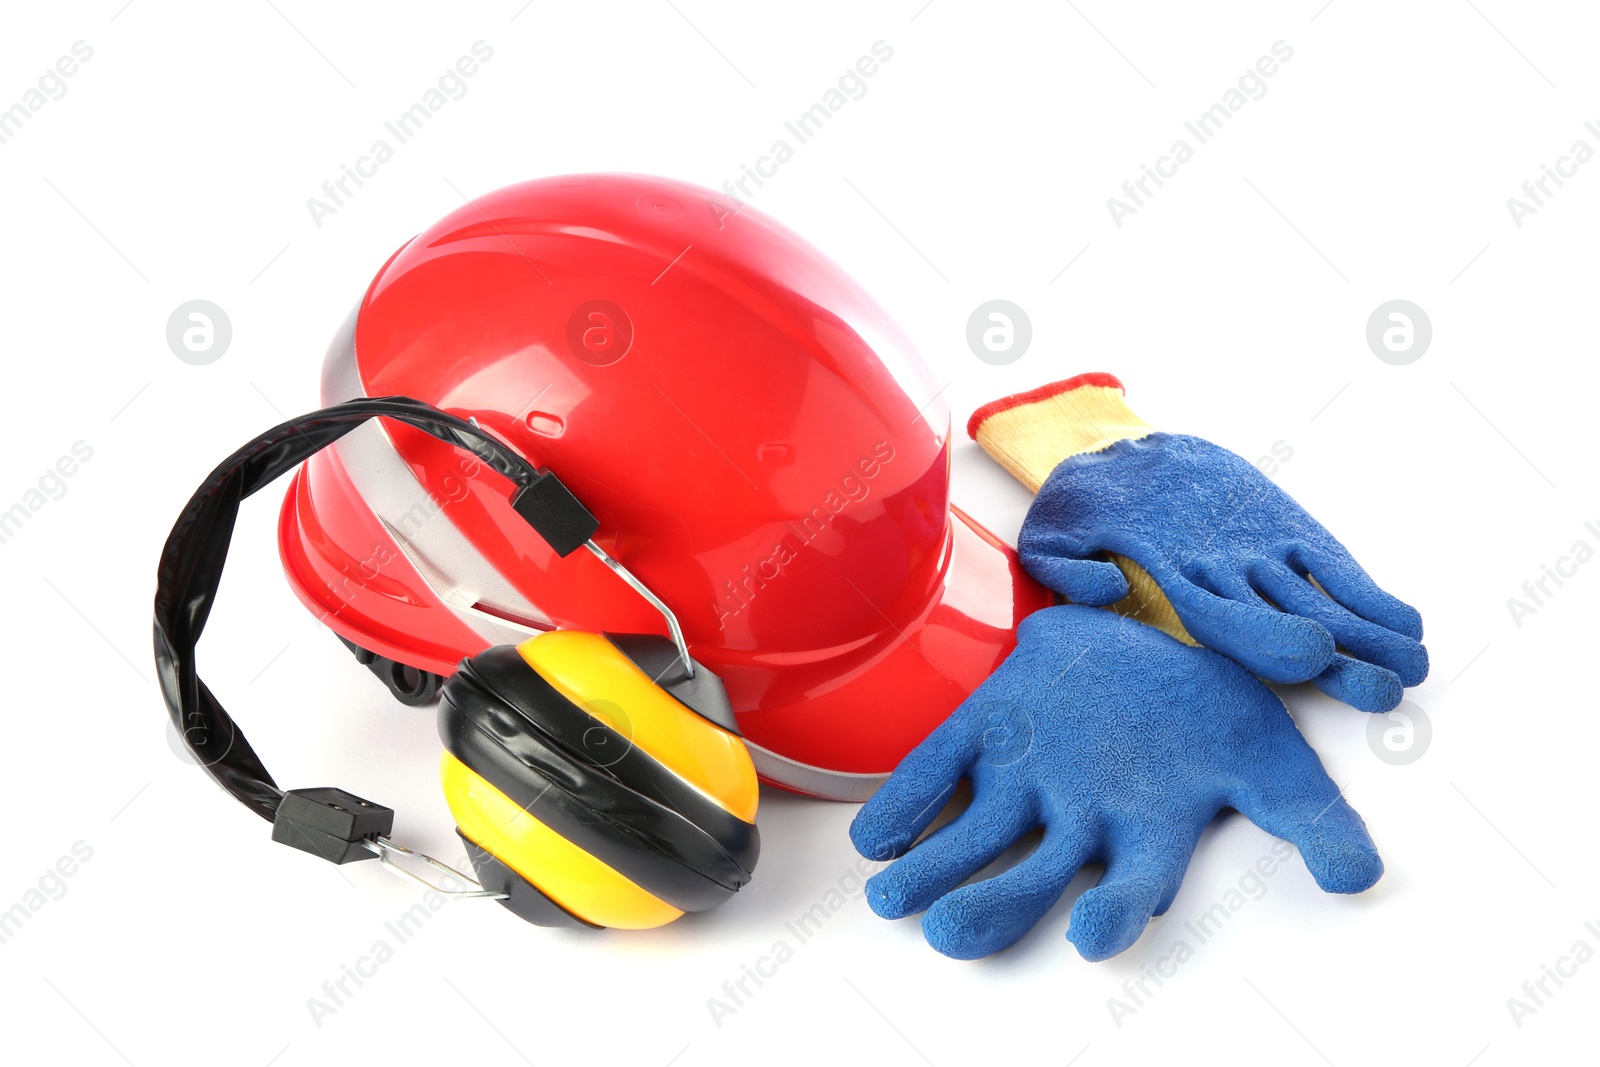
point(577, 780)
point(596, 780)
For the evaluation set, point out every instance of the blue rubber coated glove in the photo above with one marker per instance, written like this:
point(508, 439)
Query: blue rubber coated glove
point(1242, 566)
point(1122, 743)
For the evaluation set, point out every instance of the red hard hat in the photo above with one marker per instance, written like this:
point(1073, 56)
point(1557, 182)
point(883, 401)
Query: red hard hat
point(762, 446)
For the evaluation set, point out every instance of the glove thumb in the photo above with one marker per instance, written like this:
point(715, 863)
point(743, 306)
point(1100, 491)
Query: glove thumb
point(1082, 581)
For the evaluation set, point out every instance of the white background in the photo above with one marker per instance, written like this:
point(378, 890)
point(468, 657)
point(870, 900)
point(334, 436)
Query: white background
point(1377, 166)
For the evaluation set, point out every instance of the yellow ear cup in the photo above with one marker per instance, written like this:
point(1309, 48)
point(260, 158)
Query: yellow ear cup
point(565, 873)
point(591, 672)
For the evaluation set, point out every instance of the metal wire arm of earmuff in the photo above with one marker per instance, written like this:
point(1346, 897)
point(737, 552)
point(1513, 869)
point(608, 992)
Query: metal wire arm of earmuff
point(384, 849)
point(644, 591)
point(566, 525)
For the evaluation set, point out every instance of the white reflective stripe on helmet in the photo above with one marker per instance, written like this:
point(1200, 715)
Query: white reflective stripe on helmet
point(445, 560)
point(817, 781)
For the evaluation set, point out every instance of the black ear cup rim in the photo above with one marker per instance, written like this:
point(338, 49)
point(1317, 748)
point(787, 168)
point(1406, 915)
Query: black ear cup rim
point(523, 898)
point(648, 842)
point(702, 692)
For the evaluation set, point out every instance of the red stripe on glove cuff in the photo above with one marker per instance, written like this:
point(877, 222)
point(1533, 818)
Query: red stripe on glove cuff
point(1043, 392)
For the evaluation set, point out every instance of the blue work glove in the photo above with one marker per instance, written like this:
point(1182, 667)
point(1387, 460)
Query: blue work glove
point(1216, 553)
point(1122, 743)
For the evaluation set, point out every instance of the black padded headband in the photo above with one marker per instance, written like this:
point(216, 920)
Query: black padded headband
point(192, 560)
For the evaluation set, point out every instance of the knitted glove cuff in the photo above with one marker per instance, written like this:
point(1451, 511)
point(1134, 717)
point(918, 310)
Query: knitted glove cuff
point(1030, 433)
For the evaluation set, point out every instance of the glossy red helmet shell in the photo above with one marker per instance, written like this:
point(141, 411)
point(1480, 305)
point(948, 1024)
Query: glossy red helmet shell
point(761, 445)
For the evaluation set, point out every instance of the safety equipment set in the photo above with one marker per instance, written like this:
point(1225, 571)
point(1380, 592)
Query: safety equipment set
point(773, 585)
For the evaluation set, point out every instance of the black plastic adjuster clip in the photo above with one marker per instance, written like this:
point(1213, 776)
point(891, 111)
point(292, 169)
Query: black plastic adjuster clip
point(330, 823)
point(551, 509)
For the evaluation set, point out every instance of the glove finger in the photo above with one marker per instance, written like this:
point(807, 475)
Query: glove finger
point(1277, 646)
point(915, 793)
point(987, 916)
point(1289, 795)
point(1081, 581)
point(949, 856)
point(1360, 638)
point(1138, 883)
point(1363, 686)
point(1348, 582)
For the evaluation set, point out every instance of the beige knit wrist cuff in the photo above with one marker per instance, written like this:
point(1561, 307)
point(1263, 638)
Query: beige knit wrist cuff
point(1029, 433)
